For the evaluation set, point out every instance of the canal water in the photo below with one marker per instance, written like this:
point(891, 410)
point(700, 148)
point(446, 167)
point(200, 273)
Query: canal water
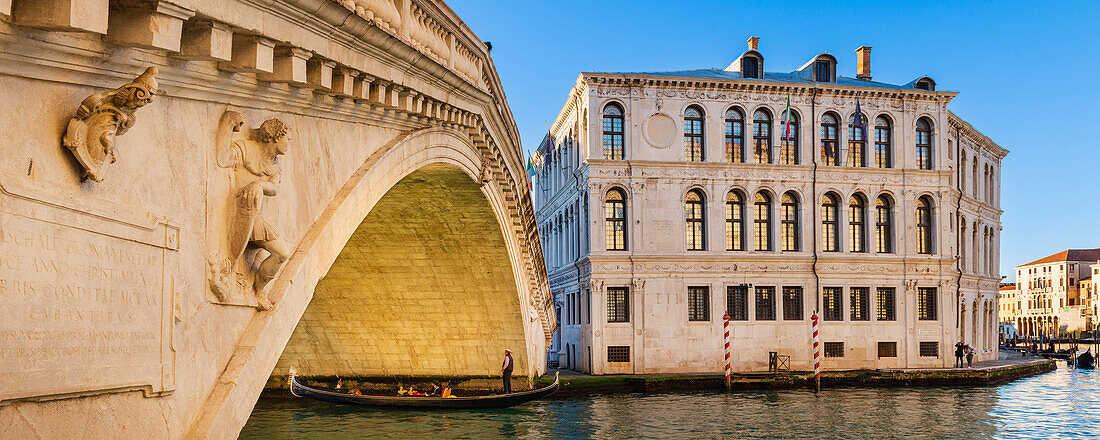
point(1060, 404)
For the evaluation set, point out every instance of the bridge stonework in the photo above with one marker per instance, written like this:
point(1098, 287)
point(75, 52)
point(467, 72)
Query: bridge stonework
point(196, 195)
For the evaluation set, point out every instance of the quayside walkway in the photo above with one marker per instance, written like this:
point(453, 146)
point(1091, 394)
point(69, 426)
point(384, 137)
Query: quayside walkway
point(1010, 366)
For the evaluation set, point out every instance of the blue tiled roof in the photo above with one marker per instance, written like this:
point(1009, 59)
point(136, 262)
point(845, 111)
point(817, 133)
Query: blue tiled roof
point(768, 76)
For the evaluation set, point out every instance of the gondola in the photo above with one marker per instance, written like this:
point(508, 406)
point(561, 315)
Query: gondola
point(1086, 360)
point(416, 402)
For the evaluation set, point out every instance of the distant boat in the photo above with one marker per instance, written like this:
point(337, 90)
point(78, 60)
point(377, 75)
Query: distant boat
point(1086, 359)
point(472, 402)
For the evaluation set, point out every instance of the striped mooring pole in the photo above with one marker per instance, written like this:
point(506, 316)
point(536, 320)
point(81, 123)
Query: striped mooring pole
point(817, 355)
point(726, 327)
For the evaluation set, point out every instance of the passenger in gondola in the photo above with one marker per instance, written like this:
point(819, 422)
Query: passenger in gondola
point(437, 389)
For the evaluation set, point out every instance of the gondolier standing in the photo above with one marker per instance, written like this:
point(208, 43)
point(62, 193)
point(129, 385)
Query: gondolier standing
point(506, 370)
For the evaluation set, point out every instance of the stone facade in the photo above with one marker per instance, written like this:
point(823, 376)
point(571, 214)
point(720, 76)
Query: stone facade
point(677, 173)
point(178, 177)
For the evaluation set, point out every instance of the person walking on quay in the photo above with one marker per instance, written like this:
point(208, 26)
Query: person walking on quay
point(506, 371)
point(969, 356)
point(959, 347)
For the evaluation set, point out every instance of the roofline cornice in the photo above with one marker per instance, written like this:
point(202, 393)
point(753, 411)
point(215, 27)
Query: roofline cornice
point(957, 122)
point(633, 79)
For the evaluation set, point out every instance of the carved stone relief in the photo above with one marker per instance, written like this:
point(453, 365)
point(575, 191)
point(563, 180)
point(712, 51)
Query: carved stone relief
point(251, 250)
point(90, 136)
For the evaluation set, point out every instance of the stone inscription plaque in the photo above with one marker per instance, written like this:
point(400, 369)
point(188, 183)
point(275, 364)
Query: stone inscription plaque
point(83, 312)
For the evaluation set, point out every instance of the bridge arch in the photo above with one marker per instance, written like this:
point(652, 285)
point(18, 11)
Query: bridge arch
point(428, 281)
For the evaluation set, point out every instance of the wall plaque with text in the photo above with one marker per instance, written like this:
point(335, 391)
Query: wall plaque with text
point(86, 294)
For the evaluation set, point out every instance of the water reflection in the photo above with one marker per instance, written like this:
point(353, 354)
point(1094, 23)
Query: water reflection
point(1062, 404)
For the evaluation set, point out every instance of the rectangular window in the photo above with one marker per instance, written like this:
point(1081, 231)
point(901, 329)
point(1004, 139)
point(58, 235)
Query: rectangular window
point(926, 303)
point(930, 349)
point(860, 303)
point(698, 303)
point(792, 303)
point(737, 303)
point(886, 304)
point(833, 304)
point(765, 303)
point(887, 350)
point(618, 353)
point(618, 304)
point(834, 349)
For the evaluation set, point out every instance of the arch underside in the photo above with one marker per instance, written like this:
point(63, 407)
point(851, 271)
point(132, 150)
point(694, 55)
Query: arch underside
point(423, 287)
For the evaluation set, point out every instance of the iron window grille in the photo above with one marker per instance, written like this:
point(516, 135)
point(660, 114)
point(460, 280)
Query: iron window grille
point(765, 303)
point(833, 304)
point(926, 303)
point(887, 350)
point(860, 303)
point(737, 303)
point(792, 303)
point(886, 304)
point(698, 303)
point(618, 304)
point(834, 349)
point(618, 353)
point(930, 349)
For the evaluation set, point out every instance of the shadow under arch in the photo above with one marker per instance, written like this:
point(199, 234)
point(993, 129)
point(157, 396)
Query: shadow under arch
point(424, 286)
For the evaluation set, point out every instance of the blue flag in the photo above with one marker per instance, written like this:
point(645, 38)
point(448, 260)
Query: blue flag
point(861, 121)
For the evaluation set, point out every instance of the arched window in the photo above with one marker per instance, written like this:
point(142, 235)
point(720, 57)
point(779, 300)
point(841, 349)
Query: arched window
point(613, 147)
point(924, 144)
point(789, 219)
point(924, 225)
point(735, 136)
point(762, 136)
point(830, 235)
point(750, 67)
point(693, 134)
point(762, 222)
point(857, 225)
point(830, 154)
point(695, 217)
point(789, 131)
point(883, 136)
point(857, 142)
point(884, 225)
point(735, 221)
point(615, 208)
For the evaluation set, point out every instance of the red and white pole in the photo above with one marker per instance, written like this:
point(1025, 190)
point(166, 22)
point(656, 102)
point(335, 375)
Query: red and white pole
point(726, 327)
point(817, 355)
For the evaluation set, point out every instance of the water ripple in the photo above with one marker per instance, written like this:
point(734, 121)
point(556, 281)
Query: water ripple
point(1064, 404)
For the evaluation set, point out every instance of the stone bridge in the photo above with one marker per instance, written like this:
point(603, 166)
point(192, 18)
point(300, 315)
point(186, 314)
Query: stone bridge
point(196, 195)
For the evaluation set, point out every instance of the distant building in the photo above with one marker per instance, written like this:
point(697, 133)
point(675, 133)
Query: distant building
point(1053, 300)
point(1007, 309)
point(667, 199)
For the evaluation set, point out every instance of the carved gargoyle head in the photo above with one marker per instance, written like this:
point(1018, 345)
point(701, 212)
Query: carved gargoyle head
point(139, 92)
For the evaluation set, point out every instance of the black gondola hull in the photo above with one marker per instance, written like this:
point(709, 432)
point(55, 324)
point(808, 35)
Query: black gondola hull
point(476, 402)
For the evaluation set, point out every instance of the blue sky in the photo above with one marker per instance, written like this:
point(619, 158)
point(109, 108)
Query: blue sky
point(1026, 72)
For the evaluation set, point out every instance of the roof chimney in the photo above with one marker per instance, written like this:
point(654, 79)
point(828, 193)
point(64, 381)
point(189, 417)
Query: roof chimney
point(863, 63)
point(753, 42)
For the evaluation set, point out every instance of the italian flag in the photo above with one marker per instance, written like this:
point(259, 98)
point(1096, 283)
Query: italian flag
point(787, 121)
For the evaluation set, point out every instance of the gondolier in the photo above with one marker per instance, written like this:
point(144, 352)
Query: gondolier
point(506, 370)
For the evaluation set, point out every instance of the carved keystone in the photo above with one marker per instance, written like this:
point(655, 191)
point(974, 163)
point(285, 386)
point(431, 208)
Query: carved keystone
point(150, 25)
point(251, 53)
point(288, 66)
point(101, 117)
point(319, 73)
point(206, 41)
point(69, 15)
